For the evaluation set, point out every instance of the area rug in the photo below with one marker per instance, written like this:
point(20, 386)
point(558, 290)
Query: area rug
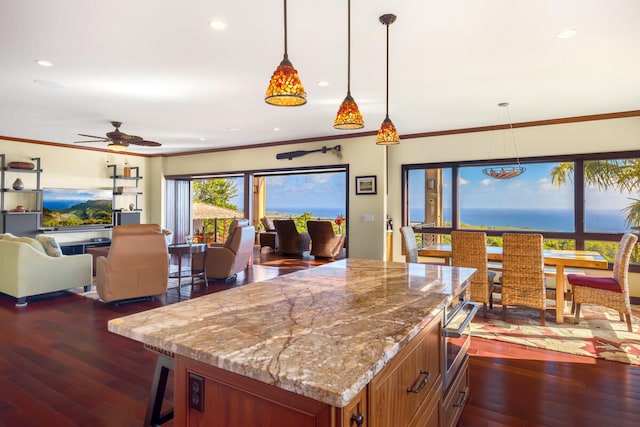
point(599, 334)
point(92, 293)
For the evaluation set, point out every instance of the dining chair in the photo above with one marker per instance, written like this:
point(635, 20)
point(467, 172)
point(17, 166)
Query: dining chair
point(612, 292)
point(523, 272)
point(469, 249)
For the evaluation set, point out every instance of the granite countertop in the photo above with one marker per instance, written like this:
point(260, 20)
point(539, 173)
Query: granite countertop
point(322, 333)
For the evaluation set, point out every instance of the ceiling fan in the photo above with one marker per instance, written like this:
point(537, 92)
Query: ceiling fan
point(119, 141)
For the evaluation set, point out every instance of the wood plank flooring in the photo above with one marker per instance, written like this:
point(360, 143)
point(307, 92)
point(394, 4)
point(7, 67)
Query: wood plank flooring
point(59, 366)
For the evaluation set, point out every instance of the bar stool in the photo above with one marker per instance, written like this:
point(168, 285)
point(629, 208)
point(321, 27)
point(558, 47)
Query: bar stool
point(164, 364)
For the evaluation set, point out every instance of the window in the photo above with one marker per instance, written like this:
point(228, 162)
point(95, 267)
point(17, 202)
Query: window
point(611, 202)
point(578, 202)
point(528, 202)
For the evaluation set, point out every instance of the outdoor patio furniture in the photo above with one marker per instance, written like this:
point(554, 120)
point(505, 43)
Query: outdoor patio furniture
point(325, 243)
point(290, 240)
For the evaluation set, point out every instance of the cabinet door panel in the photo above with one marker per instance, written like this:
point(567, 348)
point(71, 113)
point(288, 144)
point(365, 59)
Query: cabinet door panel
point(417, 367)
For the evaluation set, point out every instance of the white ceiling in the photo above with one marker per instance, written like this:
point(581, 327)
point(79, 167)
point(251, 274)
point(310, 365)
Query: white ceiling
point(157, 66)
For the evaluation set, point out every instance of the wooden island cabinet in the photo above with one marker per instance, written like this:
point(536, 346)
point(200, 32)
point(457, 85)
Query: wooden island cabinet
point(350, 343)
point(234, 400)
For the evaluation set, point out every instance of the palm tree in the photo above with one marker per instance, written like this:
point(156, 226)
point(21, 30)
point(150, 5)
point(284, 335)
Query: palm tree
point(621, 175)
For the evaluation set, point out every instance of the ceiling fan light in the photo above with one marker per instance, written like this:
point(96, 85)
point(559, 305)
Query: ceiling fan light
point(285, 88)
point(117, 147)
point(348, 116)
point(387, 134)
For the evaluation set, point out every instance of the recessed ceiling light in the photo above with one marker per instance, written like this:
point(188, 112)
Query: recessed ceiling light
point(276, 129)
point(567, 33)
point(44, 63)
point(203, 139)
point(50, 84)
point(323, 83)
point(217, 24)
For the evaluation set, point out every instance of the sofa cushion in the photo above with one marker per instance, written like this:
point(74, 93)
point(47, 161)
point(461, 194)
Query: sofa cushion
point(50, 245)
point(7, 236)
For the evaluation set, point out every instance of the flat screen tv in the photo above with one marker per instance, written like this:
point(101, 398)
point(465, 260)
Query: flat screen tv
point(76, 208)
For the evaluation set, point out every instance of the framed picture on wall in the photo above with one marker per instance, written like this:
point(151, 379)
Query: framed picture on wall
point(366, 184)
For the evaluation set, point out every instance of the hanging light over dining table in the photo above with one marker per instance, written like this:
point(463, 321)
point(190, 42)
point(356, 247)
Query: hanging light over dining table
point(387, 134)
point(506, 172)
point(348, 116)
point(285, 88)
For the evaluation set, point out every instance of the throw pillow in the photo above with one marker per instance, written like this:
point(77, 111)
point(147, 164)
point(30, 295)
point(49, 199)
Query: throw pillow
point(50, 245)
point(31, 242)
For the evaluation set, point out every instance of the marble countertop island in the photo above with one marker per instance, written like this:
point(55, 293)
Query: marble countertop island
point(322, 333)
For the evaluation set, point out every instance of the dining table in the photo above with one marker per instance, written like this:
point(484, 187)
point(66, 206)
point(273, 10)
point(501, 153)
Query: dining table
point(559, 258)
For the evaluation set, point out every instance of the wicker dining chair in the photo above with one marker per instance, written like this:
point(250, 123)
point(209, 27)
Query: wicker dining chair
point(469, 249)
point(523, 272)
point(612, 292)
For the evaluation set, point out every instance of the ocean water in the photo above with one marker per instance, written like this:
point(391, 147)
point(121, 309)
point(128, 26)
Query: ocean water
point(326, 212)
point(605, 220)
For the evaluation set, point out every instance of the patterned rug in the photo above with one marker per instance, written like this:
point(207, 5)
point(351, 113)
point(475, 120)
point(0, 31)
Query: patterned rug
point(599, 334)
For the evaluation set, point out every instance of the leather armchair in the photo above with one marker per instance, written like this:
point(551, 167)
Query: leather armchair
point(325, 243)
point(290, 240)
point(225, 262)
point(137, 264)
point(269, 237)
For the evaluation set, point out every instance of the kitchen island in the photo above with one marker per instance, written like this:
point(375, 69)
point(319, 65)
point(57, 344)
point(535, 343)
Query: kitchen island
point(308, 347)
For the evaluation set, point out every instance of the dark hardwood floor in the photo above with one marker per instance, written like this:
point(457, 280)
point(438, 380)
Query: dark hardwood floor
point(59, 366)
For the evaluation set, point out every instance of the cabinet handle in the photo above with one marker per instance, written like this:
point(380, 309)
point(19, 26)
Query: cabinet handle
point(358, 419)
point(413, 388)
point(463, 400)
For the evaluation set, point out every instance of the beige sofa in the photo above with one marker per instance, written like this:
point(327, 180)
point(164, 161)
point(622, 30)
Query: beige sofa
point(27, 270)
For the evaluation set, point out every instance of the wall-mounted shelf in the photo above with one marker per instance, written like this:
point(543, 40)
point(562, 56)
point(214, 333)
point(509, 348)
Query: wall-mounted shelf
point(20, 223)
point(126, 216)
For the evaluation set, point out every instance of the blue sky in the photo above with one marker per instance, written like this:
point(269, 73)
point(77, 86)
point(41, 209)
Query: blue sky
point(317, 190)
point(531, 190)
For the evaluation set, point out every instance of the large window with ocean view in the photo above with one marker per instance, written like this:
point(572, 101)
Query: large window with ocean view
point(611, 202)
point(584, 201)
point(308, 195)
point(527, 202)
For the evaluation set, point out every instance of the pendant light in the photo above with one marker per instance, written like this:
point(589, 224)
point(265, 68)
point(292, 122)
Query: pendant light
point(285, 88)
point(506, 172)
point(387, 134)
point(348, 116)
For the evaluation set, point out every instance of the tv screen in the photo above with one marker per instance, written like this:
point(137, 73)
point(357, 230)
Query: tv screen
point(64, 207)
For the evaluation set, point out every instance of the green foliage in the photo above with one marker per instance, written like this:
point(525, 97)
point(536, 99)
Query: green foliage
point(621, 175)
point(216, 192)
point(301, 221)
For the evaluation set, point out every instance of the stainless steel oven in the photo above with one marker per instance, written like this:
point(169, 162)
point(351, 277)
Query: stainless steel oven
point(456, 335)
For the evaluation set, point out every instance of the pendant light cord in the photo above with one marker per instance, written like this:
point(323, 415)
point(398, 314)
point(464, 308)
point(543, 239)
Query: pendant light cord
point(513, 135)
point(387, 113)
point(285, 30)
point(349, 47)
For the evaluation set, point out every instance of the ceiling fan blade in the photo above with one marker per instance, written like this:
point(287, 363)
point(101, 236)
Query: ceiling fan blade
point(99, 138)
point(82, 142)
point(146, 143)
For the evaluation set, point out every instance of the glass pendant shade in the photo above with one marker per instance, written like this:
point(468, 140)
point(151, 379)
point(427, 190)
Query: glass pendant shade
point(348, 116)
point(285, 88)
point(387, 134)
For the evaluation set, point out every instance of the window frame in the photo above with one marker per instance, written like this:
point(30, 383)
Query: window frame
point(580, 236)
